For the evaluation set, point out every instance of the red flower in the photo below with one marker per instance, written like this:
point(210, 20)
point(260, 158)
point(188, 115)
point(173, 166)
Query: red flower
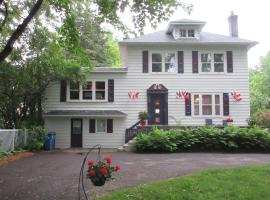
point(90, 163)
point(103, 171)
point(92, 173)
point(229, 119)
point(108, 160)
point(117, 168)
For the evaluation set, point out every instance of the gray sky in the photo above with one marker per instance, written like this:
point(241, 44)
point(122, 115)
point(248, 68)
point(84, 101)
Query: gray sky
point(253, 21)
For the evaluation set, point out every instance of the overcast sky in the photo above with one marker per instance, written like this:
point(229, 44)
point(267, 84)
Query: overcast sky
point(253, 21)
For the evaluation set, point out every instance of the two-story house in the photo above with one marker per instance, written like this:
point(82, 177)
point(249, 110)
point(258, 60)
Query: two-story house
point(181, 75)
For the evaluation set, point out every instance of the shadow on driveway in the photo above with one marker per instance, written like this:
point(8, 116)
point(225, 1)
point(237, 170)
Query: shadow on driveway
point(54, 175)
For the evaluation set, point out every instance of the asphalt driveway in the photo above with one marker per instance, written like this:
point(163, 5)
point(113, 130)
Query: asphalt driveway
point(54, 175)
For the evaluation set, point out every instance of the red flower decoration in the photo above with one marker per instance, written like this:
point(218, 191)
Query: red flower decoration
point(90, 163)
point(108, 160)
point(103, 171)
point(229, 119)
point(117, 168)
point(92, 173)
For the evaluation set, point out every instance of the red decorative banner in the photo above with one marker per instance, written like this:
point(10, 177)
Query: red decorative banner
point(133, 95)
point(236, 96)
point(182, 95)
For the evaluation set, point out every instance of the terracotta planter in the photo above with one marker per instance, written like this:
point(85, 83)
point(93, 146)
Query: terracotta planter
point(98, 181)
point(143, 123)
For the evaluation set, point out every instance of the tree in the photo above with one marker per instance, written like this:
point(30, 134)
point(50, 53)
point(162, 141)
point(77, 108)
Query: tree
point(109, 11)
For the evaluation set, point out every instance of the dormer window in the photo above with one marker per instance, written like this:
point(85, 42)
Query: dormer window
point(191, 33)
point(183, 33)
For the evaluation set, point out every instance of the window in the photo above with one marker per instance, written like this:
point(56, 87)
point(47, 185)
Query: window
point(206, 62)
point(164, 62)
point(212, 62)
point(219, 62)
point(217, 104)
point(170, 62)
point(156, 62)
point(87, 90)
point(207, 104)
point(183, 33)
point(196, 105)
point(100, 90)
point(74, 90)
point(101, 125)
point(191, 33)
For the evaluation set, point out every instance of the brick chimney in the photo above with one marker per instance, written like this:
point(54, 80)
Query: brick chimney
point(233, 25)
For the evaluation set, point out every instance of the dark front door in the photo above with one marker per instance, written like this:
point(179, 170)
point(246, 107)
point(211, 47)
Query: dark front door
point(76, 132)
point(158, 109)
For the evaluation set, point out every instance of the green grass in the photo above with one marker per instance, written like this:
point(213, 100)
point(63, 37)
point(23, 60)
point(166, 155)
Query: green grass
point(243, 183)
point(4, 154)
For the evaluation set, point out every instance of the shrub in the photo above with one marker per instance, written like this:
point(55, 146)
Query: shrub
point(263, 118)
point(36, 138)
point(204, 139)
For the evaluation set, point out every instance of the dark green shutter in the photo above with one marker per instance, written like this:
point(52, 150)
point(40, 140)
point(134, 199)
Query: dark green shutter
point(188, 105)
point(180, 55)
point(110, 90)
point(92, 125)
point(195, 62)
point(145, 61)
point(63, 91)
point(229, 61)
point(109, 126)
point(226, 106)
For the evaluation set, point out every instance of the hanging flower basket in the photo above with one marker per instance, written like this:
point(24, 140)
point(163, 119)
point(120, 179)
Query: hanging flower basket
point(143, 123)
point(101, 171)
point(229, 121)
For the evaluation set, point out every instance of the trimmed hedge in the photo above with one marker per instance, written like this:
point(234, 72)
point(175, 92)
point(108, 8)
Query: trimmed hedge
point(229, 139)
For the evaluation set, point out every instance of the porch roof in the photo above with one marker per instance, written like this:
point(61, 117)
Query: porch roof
point(85, 113)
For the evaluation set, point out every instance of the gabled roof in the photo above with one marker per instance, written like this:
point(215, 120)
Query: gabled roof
point(187, 21)
point(161, 37)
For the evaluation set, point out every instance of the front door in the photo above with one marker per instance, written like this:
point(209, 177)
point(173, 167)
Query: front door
point(158, 109)
point(76, 132)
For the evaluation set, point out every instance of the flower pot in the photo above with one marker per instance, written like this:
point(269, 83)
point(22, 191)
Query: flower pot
point(143, 123)
point(98, 181)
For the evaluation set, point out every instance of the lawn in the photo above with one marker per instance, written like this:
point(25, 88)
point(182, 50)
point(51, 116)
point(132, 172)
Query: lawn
point(243, 183)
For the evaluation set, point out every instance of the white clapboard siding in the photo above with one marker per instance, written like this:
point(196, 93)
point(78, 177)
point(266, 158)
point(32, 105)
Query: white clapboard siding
point(135, 80)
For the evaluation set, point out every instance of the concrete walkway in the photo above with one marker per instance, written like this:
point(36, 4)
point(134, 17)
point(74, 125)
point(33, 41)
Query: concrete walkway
point(54, 175)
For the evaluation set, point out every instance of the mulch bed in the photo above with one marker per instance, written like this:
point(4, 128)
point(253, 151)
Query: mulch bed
point(8, 159)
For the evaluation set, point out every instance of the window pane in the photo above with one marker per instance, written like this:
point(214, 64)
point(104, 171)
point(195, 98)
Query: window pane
point(156, 67)
point(156, 57)
point(87, 94)
point(218, 57)
point(100, 95)
point(206, 67)
point(196, 99)
point(183, 33)
point(74, 95)
point(101, 125)
point(169, 57)
point(196, 110)
point(217, 99)
point(206, 99)
point(207, 110)
point(170, 62)
point(170, 67)
point(196, 105)
point(74, 85)
point(191, 33)
point(100, 85)
point(219, 67)
point(206, 57)
point(87, 85)
point(217, 108)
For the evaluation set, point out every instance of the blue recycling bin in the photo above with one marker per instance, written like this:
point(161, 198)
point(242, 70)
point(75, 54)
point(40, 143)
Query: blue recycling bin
point(49, 144)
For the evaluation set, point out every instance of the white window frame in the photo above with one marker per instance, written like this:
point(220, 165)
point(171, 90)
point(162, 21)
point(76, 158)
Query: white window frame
point(163, 53)
point(93, 92)
point(193, 33)
point(213, 105)
point(212, 71)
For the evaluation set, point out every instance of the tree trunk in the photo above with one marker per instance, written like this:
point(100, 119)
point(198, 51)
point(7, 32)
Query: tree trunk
point(19, 31)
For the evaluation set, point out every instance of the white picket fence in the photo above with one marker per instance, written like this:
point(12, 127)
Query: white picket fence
point(10, 139)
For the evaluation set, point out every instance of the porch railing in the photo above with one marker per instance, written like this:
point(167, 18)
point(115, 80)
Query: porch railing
point(131, 132)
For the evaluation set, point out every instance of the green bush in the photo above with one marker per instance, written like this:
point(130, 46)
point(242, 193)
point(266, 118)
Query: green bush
point(36, 138)
point(262, 118)
point(204, 139)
